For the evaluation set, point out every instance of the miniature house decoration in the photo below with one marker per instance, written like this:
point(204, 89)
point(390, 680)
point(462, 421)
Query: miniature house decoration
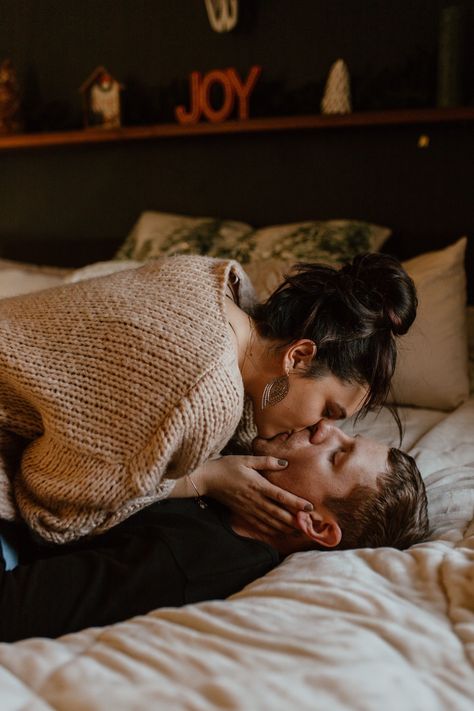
point(101, 99)
point(337, 94)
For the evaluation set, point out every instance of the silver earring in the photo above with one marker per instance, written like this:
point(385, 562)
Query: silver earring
point(275, 391)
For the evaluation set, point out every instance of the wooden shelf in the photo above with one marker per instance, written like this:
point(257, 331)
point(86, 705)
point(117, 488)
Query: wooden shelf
point(255, 125)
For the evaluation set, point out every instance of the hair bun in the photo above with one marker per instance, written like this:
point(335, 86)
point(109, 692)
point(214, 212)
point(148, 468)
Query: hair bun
point(352, 314)
point(378, 290)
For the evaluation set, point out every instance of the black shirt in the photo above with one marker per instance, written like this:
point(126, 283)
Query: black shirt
point(170, 554)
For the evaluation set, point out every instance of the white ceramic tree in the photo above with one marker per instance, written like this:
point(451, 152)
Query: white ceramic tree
point(337, 93)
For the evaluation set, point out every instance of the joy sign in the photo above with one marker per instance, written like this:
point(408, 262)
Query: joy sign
point(232, 88)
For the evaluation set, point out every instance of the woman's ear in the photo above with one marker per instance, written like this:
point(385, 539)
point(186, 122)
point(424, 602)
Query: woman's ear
point(322, 528)
point(299, 355)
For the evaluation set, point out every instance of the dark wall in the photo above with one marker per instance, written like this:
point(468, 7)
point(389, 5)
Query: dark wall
point(152, 45)
point(83, 200)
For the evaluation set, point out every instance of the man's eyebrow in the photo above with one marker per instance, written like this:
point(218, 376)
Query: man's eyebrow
point(355, 444)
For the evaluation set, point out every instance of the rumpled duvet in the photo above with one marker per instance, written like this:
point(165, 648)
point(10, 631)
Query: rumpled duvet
point(367, 630)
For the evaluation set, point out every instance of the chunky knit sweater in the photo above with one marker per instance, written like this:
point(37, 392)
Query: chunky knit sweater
point(110, 388)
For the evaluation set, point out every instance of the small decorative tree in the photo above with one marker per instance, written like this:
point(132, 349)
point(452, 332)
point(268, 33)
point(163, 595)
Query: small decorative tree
point(337, 93)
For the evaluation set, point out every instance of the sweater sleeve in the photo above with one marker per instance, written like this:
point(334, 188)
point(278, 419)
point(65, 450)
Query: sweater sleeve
point(65, 492)
point(87, 495)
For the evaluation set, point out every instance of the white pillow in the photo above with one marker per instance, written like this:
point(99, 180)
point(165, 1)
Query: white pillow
point(470, 341)
point(432, 367)
point(99, 269)
point(18, 278)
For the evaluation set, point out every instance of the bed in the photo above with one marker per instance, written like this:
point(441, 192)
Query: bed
point(365, 629)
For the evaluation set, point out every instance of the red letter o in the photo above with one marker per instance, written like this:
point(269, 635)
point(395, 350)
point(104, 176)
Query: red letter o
point(214, 77)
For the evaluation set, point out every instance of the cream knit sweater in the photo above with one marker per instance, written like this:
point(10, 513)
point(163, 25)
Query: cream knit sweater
point(111, 387)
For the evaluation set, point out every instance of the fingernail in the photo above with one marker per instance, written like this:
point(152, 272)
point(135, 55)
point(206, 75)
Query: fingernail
point(308, 507)
point(282, 462)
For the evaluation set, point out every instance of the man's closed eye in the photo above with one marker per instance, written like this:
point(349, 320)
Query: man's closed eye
point(333, 458)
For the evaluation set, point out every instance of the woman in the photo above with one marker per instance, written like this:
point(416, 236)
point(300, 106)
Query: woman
point(112, 389)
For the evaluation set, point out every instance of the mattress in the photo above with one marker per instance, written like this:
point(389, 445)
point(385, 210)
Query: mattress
point(366, 629)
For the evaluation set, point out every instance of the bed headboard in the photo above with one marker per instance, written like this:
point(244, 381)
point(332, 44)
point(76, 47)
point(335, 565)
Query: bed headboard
point(73, 205)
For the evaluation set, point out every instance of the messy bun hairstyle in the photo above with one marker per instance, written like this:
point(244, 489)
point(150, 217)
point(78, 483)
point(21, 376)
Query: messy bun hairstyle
point(352, 314)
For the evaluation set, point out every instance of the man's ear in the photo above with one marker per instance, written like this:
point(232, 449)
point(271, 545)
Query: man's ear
point(322, 528)
point(299, 355)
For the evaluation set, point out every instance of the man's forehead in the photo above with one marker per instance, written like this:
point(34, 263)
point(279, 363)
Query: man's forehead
point(370, 457)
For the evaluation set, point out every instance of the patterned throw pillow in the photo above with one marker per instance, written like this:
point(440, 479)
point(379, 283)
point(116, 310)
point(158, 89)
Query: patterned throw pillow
point(276, 249)
point(267, 254)
point(159, 233)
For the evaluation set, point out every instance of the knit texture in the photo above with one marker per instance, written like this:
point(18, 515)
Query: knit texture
point(111, 384)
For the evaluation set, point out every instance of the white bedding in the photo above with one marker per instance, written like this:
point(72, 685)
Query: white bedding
point(368, 630)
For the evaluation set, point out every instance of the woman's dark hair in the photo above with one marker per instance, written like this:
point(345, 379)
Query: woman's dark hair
point(352, 314)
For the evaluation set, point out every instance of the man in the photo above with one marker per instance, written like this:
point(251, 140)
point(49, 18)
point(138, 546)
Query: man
point(176, 552)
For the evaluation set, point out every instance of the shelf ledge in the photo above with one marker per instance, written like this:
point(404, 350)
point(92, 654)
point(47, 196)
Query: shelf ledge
point(255, 125)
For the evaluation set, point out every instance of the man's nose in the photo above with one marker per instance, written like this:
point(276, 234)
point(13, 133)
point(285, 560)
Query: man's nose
point(325, 430)
point(321, 431)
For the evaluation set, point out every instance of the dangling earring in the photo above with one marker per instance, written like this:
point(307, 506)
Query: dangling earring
point(275, 391)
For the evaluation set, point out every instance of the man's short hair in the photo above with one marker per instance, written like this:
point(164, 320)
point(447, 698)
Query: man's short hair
point(394, 514)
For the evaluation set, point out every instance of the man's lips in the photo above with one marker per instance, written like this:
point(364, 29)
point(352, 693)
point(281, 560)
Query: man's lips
point(306, 434)
point(314, 434)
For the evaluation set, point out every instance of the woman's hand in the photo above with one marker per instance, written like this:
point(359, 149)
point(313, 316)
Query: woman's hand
point(235, 481)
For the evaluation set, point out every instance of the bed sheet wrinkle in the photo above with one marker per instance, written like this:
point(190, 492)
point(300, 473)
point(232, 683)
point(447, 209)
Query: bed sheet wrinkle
point(271, 636)
point(35, 660)
point(356, 573)
point(17, 696)
point(119, 698)
point(334, 655)
point(293, 673)
point(387, 605)
point(457, 577)
point(451, 502)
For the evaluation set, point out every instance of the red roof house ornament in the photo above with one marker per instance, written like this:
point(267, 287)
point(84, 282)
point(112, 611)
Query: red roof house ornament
point(101, 99)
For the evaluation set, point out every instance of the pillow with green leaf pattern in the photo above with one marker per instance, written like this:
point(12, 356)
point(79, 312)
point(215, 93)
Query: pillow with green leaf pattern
point(267, 254)
point(158, 234)
point(276, 249)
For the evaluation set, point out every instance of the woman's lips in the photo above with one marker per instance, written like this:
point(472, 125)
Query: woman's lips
point(282, 435)
point(315, 433)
